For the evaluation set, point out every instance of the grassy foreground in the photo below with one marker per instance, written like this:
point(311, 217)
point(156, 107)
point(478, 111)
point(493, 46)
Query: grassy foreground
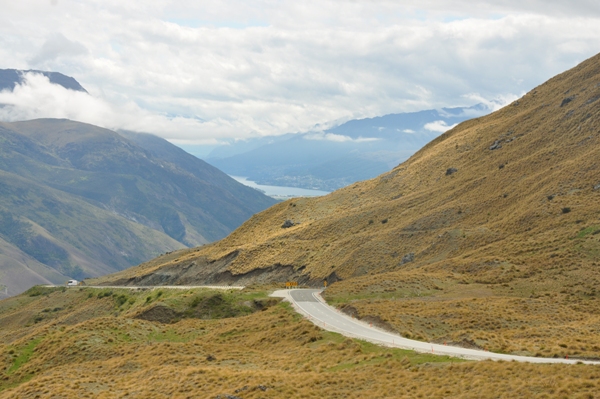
point(86, 342)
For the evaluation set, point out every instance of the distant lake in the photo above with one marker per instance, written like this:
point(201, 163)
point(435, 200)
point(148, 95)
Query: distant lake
point(280, 192)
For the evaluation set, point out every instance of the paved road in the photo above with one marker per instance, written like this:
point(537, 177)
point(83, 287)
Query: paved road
point(155, 287)
point(310, 303)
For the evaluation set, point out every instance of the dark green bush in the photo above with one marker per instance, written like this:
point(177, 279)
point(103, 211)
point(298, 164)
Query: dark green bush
point(39, 290)
point(121, 299)
point(196, 301)
point(104, 294)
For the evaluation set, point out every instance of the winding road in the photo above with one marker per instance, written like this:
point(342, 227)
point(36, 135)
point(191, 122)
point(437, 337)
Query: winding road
point(309, 303)
point(153, 287)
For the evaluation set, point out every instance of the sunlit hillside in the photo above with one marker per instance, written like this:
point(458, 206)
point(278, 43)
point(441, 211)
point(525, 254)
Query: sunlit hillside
point(501, 213)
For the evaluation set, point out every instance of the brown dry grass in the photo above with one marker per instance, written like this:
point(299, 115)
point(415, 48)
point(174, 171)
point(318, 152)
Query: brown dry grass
point(88, 350)
point(517, 318)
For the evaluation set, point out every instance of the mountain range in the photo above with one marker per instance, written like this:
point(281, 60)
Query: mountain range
point(327, 160)
point(486, 238)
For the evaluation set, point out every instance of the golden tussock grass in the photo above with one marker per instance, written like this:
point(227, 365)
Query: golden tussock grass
point(269, 354)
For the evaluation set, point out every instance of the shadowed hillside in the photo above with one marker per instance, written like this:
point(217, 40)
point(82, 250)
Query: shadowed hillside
point(77, 200)
point(502, 208)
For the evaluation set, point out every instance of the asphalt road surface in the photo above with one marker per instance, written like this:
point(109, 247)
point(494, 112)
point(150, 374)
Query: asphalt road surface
point(310, 303)
point(154, 287)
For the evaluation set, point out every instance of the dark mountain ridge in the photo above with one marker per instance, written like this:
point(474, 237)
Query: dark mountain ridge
point(86, 201)
point(9, 78)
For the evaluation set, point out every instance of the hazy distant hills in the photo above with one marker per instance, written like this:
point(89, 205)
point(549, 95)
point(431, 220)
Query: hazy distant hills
point(356, 150)
point(78, 200)
point(11, 77)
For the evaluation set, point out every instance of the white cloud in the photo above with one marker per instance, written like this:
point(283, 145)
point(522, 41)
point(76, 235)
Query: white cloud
point(36, 98)
point(231, 69)
point(439, 126)
point(409, 131)
point(339, 138)
point(58, 46)
point(494, 104)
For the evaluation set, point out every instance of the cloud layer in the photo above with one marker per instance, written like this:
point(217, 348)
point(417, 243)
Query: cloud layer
point(38, 98)
point(438, 126)
point(235, 69)
point(338, 138)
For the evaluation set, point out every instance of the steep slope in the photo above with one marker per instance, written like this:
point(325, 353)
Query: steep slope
point(85, 201)
point(504, 208)
point(19, 271)
point(528, 170)
point(162, 149)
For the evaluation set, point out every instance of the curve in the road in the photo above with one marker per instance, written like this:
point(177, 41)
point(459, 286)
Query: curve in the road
point(310, 303)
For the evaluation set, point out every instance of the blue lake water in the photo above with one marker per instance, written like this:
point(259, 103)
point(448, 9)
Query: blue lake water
point(280, 191)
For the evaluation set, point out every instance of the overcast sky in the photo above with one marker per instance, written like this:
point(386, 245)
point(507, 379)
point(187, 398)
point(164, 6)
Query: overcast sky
point(234, 69)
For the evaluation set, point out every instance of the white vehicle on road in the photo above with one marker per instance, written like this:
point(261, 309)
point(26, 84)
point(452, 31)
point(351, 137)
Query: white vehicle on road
point(72, 282)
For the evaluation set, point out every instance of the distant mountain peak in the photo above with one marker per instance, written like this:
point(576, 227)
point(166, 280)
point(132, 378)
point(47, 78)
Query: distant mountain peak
point(355, 150)
point(9, 78)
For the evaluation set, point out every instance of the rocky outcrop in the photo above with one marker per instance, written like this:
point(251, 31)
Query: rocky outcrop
point(203, 271)
point(410, 257)
point(287, 224)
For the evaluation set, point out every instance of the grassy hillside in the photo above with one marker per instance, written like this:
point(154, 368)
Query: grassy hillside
point(85, 201)
point(489, 236)
point(85, 342)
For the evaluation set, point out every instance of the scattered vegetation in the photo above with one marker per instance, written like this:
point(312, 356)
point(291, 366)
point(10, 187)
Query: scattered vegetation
point(39, 247)
point(41, 290)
